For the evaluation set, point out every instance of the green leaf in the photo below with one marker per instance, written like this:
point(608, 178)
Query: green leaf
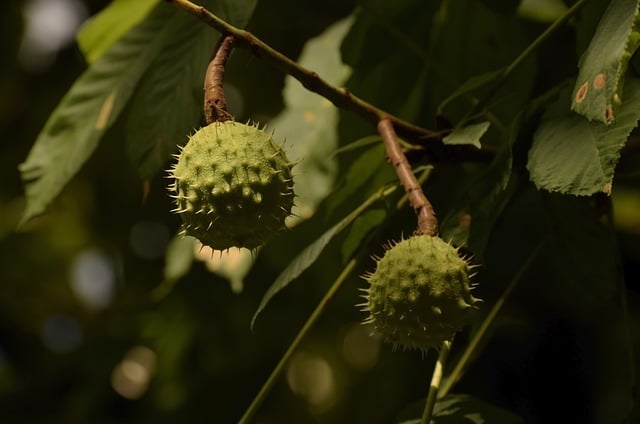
point(598, 89)
point(573, 156)
point(486, 195)
point(309, 121)
point(458, 408)
point(310, 253)
point(469, 134)
point(167, 105)
point(102, 30)
point(91, 106)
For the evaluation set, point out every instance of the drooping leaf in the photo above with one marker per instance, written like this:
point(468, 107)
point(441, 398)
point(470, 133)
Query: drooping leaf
point(91, 106)
point(469, 134)
point(310, 253)
point(98, 33)
point(308, 123)
point(598, 90)
point(167, 106)
point(459, 408)
point(574, 156)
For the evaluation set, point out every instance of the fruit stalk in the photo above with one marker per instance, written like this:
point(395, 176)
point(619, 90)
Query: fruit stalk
point(427, 221)
point(215, 103)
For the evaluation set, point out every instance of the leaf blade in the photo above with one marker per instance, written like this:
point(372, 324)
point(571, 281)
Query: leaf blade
point(102, 30)
point(310, 253)
point(168, 103)
point(603, 64)
point(89, 108)
point(571, 155)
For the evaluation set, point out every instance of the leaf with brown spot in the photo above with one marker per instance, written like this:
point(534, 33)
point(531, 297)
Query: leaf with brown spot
point(571, 155)
point(604, 63)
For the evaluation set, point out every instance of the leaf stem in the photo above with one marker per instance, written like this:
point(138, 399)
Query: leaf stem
point(215, 103)
point(461, 365)
point(277, 371)
point(436, 379)
point(506, 72)
point(340, 97)
point(268, 385)
point(427, 221)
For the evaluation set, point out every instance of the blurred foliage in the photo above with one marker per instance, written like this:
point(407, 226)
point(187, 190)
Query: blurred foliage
point(97, 326)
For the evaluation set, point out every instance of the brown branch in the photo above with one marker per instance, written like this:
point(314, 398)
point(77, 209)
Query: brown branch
point(427, 221)
point(340, 97)
point(215, 103)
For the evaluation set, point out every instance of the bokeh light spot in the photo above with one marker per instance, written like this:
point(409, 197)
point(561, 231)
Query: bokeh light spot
point(360, 349)
point(50, 25)
point(311, 377)
point(93, 278)
point(130, 378)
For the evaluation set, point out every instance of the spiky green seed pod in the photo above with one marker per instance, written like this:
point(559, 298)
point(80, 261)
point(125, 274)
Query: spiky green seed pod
point(419, 294)
point(232, 185)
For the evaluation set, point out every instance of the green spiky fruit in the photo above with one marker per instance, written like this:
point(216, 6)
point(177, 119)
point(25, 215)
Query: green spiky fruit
point(232, 185)
point(419, 294)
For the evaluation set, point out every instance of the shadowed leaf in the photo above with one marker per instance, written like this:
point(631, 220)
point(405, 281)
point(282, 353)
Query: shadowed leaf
point(167, 105)
point(89, 108)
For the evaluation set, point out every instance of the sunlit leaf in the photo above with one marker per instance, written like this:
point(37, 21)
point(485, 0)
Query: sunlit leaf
point(89, 108)
point(598, 90)
point(232, 264)
point(102, 30)
point(308, 124)
point(574, 156)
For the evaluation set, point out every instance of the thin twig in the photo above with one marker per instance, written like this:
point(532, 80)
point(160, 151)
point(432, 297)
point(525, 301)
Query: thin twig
point(340, 97)
point(436, 379)
point(522, 57)
point(277, 371)
point(215, 103)
point(427, 221)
